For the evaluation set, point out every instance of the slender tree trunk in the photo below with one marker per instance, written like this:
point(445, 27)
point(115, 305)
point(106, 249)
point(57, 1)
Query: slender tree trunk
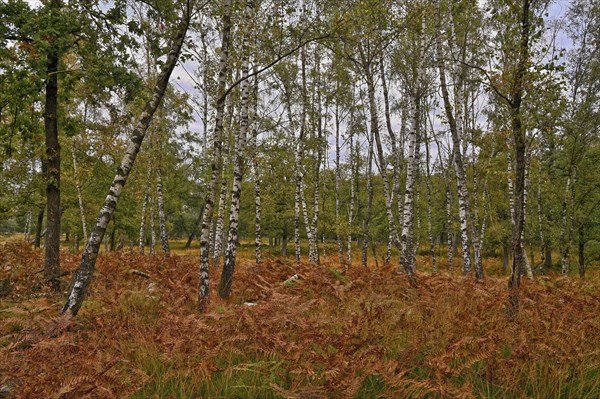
point(463, 194)
point(27, 226)
point(38, 227)
point(216, 162)
point(162, 220)
point(257, 182)
point(52, 240)
point(450, 238)
point(79, 198)
point(518, 131)
point(240, 141)
point(366, 222)
point(429, 206)
point(194, 231)
point(565, 240)
point(581, 251)
point(406, 238)
point(83, 276)
point(527, 264)
point(143, 219)
point(338, 178)
point(392, 230)
point(352, 160)
point(396, 183)
point(298, 162)
point(540, 219)
point(220, 222)
point(449, 232)
point(314, 250)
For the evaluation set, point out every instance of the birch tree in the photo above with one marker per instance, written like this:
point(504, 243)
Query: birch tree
point(240, 140)
point(216, 161)
point(83, 276)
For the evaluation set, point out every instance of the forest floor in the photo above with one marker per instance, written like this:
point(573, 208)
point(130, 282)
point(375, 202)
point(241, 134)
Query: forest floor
point(362, 334)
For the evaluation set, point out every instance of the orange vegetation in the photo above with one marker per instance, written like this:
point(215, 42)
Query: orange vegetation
point(362, 334)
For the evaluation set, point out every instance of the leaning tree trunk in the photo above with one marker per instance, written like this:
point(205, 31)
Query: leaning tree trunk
point(396, 183)
point(83, 276)
point(216, 162)
point(374, 122)
point(52, 241)
point(463, 194)
point(236, 190)
point(220, 222)
point(448, 192)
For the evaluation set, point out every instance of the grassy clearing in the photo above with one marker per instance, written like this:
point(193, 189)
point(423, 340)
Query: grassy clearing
point(362, 334)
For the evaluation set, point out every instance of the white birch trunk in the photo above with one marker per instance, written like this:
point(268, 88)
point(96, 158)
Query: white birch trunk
point(298, 199)
point(353, 177)
point(162, 220)
point(429, 206)
point(216, 162)
point(142, 240)
point(406, 237)
point(83, 276)
point(565, 238)
point(152, 229)
point(367, 220)
point(257, 181)
point(528, 268)
point(374, 122)
point(463, 196)
point(337, 188)
point(240, 141)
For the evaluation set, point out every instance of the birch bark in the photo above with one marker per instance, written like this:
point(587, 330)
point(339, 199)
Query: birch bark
point(240, 140)
point(162, 219)
point(83, 276)
point(216, 162)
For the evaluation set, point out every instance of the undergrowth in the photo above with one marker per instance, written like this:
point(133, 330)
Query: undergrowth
point(362, 334)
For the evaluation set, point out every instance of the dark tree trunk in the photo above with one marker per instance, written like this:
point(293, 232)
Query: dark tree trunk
point(38, 227)
point(192, 235)
point(284, 242)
